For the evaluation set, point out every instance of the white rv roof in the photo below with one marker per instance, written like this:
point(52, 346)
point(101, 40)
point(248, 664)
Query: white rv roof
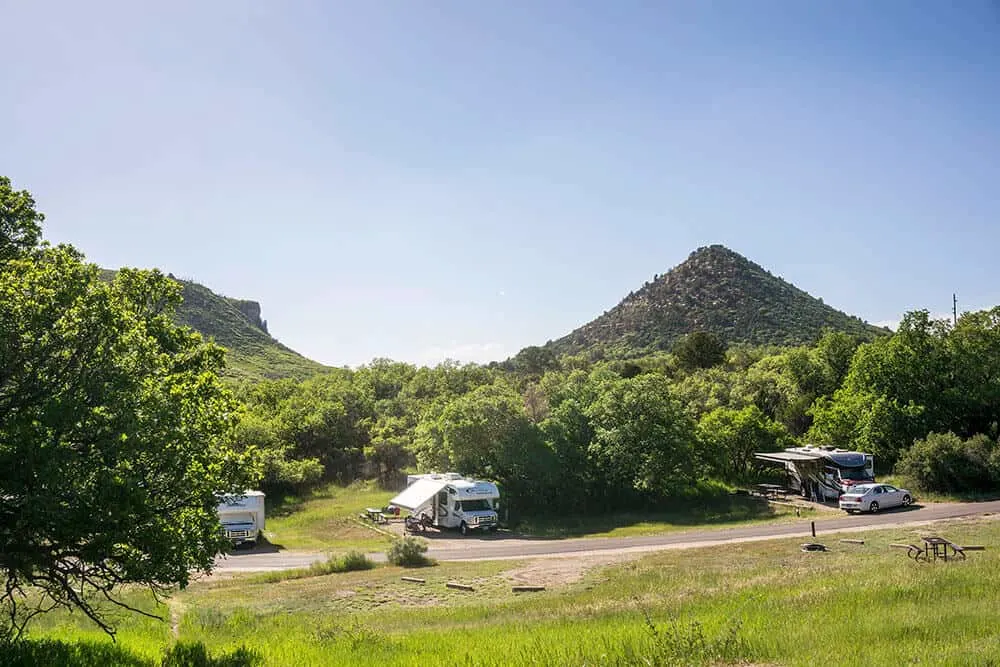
point(418, 493)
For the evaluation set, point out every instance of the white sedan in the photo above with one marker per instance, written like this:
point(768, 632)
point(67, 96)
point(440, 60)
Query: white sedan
point(873, 497)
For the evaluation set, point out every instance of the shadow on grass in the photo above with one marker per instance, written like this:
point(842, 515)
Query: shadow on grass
point(57, 653)
point(718, 510)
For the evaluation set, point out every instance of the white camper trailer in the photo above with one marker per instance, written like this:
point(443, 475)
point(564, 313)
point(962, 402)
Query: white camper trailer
point(242, 517)
point(822, 472)
point(450, 501)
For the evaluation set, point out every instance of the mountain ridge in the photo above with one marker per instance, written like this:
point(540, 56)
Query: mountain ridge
point(236, 324)
point(719, 291)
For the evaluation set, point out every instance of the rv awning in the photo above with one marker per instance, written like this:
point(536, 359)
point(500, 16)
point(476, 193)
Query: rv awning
point(418, 493)
point(782, 457)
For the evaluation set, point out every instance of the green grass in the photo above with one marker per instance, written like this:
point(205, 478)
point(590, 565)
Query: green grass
point(327, 519)
point(937, 496)
point(761, 602)
point(722, 511)
point(353, 561)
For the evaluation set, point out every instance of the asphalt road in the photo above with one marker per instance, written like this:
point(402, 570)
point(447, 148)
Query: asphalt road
point(500, 546)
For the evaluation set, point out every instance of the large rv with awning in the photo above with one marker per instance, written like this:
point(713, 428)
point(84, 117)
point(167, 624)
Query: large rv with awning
point(823, 472)
point(449, 500)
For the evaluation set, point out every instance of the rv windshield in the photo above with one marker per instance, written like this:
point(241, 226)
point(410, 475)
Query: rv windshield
point(855, 474)
point(475, 505)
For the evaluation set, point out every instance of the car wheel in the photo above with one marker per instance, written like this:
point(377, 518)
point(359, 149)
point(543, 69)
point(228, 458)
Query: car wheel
point(873, 508)
point(463, 528)
point(907, 500)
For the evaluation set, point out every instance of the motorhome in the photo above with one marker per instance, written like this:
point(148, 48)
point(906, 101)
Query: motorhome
point(242, 517)
point(450, 500)
point(822, 472)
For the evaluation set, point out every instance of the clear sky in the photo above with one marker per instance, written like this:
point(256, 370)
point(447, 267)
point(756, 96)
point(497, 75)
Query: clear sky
point(420, 180)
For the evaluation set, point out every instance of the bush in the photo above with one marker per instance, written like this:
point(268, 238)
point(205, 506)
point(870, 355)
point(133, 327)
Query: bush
point(349, 562)
point(408, 552)
point(945, 462)
point(184, 654)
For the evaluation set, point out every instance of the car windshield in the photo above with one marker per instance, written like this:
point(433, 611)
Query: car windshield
point(475, 505)
point(856, 474)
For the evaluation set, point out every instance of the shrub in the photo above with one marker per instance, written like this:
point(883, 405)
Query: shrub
point(408, 552)
point(945, 462)
point(349, 562)
point(184, 654)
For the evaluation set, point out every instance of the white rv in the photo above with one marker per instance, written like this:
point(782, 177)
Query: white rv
point(242, 517)
point(826, 472)
point(449, 500)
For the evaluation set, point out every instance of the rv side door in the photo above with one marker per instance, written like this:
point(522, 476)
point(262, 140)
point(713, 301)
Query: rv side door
point(442, 505)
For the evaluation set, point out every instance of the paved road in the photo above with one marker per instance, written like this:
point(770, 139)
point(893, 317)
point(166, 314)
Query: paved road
point(451, 546)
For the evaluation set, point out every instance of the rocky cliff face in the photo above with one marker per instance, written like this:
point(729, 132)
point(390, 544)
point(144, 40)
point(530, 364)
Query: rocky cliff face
point(250, 310)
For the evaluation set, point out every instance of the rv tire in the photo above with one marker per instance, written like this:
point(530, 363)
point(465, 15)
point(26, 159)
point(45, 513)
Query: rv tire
point(463, 528)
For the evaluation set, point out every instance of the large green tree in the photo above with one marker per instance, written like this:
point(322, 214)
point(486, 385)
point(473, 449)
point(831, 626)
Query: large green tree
point(644, 445)
point(114, 431)
point(732, 436)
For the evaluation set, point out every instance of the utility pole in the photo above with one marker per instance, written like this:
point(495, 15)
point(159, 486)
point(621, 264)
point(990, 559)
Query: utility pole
point(954, 310)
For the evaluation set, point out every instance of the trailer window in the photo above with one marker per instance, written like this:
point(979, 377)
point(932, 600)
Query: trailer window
point(855, 474)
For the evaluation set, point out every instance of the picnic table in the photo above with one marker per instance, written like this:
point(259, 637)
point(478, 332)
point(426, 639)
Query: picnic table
point(376, 515)
point(771, 491)
point(935, 547)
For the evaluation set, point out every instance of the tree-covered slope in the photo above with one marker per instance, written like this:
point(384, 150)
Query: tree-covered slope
point(718, 291)
point(236, 325)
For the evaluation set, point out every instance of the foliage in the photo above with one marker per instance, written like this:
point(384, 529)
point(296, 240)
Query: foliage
point(716, 291)
point(699, 349)
point(114, 433)
point(194, 654)
point(643, 442)
point(20, 223)
point(408, 551)
point(732, 436)
point(929, 377)
point(251, 353)
point(945, 462)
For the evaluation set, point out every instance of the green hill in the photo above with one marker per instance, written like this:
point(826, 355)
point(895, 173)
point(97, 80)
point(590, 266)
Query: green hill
point(236, 325)
point(718, 291)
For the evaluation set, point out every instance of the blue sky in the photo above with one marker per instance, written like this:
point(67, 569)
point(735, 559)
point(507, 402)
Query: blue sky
point(417, 180)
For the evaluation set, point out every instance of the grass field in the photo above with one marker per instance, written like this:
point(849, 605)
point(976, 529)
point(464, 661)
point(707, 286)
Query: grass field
point(761, 603)
point(327, 519)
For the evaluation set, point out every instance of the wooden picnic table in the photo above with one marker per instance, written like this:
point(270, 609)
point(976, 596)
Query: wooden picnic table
point(939, 547)
point(376, 515)
point(770, 490)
